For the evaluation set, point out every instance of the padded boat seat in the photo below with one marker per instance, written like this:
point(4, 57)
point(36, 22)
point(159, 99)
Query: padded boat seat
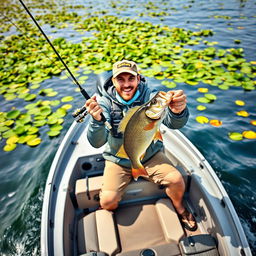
point(169, 221)
point(97, 232)
point(137, 227)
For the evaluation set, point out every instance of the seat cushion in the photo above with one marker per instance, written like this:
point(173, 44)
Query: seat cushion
point(97, 232)
point(169, 220)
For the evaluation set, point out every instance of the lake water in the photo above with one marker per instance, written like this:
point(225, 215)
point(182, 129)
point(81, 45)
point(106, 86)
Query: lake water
point(24, 171)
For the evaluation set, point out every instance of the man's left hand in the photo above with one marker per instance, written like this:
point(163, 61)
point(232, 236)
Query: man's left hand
point(179, 101)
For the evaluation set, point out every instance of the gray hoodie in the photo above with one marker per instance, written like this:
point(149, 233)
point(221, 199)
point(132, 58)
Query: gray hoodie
point(113, 110)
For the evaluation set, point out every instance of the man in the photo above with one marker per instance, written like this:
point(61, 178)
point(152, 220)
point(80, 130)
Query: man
point(126, 90)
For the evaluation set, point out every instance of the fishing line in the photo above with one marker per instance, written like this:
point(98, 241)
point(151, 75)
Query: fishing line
point(84, 93)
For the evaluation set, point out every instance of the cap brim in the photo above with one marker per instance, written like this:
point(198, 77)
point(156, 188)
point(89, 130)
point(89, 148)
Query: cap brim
point(125, 71)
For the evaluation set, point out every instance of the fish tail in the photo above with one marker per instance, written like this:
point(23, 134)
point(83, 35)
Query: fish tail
point(136, 173)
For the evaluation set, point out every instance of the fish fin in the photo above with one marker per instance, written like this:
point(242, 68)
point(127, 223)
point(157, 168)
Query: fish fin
point(136, 173)
point(149, 126)
point(121, 153)
point(158, 136)
point(126, 118)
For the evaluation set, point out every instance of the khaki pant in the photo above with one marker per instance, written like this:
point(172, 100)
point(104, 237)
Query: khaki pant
point(116, 177)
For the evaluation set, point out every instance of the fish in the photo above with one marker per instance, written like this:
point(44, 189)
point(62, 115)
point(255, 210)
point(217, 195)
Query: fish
point(140, 126)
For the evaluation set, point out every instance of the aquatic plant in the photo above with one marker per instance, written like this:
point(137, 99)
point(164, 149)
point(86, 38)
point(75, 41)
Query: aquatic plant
point(166, 53)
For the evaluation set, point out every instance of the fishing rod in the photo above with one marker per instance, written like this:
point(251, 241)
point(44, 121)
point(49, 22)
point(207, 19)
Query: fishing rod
point(79, 114)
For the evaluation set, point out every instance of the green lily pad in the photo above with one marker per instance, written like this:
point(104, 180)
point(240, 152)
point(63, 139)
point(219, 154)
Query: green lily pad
point(203, 100)
point(45, 111)
point(32, 130)
point(13, 114)
point(25, 118)
point(52, 120)
point(67, 99)
point(30, 97)
point(56, 127)
point(31, 106)
point(210, 97)
point(39, 123)
point(19, 130)
point(8, 134)
point(61, 112)
point(4, 128)
point(52, 94)
point(55, 103)
point(53, 133)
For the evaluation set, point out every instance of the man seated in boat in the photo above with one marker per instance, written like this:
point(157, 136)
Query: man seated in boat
point(128, 91)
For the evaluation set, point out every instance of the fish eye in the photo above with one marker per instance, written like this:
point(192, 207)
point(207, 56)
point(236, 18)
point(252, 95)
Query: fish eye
point(154, 101)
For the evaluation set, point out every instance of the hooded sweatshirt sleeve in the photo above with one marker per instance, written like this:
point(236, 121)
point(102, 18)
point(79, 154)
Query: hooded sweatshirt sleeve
point(97, 132)
point(176, 121)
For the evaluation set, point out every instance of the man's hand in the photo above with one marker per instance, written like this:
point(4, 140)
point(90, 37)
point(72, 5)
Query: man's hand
point(179, 101)
point(93, 108)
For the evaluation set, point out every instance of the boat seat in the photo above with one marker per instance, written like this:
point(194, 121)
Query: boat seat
point(97, 233)
point(87, 191)
point(131, 229)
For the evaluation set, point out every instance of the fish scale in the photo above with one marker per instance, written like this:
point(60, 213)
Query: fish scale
point(140, 127)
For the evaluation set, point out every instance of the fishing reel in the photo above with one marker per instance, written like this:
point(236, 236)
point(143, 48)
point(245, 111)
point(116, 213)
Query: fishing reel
point(79, 114)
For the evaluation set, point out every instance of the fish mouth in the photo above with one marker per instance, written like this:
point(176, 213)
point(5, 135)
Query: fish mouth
point(157, 105)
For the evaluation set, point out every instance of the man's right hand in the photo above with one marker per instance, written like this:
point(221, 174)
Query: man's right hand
point(93, 108)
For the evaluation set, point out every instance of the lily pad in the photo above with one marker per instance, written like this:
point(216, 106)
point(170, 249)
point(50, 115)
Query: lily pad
point(13, 114)
point(210, 97)
point(215, 122)
point(30, 97)
point(201, 107)
point(249, 134)
point(45, 111)
point(39, 123)
point(203, 100)
point(34, 142)
point(240, 102)
point(53, 133)
point(202, 119)
point(243, 113)
point(235, 136)
point(9, 147)
point(67, 99)
point(32, 130)
point(66, 106)
point(12, 140)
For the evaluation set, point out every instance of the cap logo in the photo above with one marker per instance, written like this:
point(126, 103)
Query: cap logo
point(125, 64)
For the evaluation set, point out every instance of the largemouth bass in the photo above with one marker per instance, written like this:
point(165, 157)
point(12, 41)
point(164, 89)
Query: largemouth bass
point(140, 127)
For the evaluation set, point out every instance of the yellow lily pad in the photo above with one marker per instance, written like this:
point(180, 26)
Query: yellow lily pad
point(253, 122)
point(242, 113)
point(240, 102)
point(201, 107)
point(9, 147)
point(235, 136)
point(249, 134)
point(12, 139)
point(203, 90)
point(34, 142)
point(202, 119)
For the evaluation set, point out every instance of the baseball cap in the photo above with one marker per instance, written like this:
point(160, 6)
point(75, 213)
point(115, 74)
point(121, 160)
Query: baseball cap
point(125, 66)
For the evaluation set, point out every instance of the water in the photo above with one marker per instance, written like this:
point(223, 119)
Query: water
point(24, 171)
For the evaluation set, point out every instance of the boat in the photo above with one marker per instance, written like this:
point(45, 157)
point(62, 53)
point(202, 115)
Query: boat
point(145, 223)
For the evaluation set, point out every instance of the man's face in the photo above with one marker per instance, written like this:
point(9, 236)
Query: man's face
point(126, 85)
